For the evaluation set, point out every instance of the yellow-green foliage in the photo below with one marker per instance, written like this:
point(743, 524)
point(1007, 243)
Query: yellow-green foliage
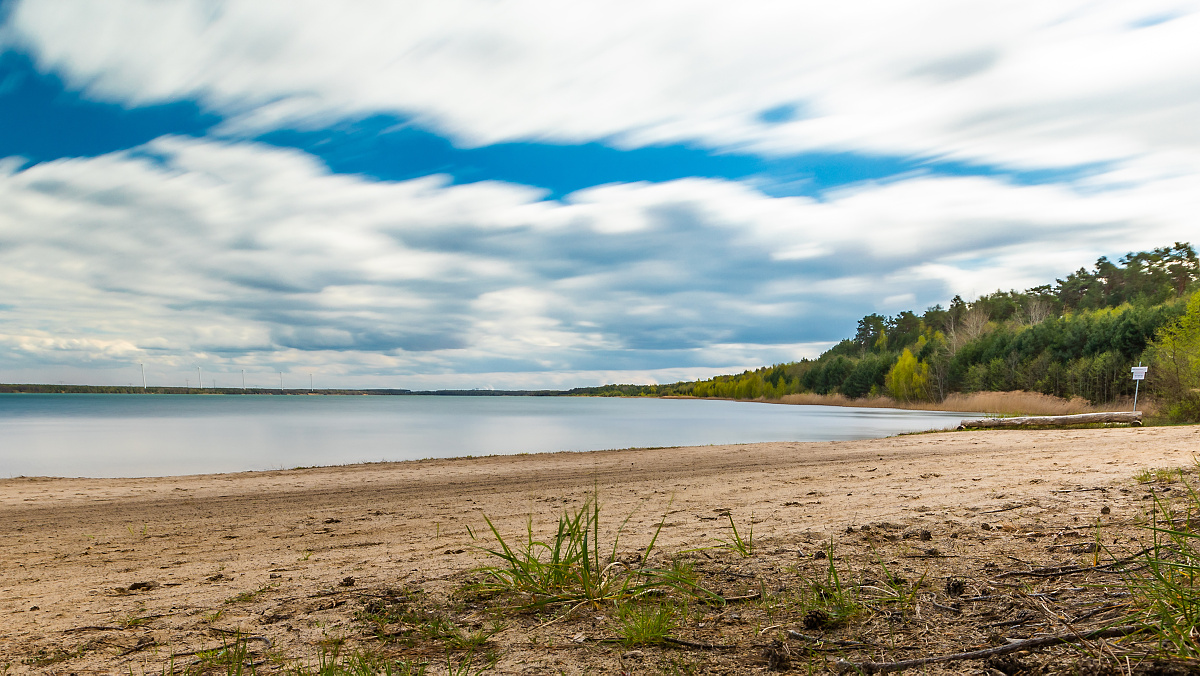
point(1176, 362)
point(909, 379)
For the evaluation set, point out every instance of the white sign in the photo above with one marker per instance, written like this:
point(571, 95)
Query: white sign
point(1139, 372)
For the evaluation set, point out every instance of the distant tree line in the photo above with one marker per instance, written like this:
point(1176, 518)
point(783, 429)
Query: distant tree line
point(1075, 338)
point(26, 388)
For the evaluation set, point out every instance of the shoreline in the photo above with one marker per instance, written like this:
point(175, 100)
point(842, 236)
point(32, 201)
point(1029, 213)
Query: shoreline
point(1004, 403)
point(71, 549)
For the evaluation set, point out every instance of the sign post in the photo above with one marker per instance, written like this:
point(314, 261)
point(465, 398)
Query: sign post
point(1139, 374)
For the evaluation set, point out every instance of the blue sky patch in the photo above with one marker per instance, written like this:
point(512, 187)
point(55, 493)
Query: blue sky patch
point(41, 120)
point(388, 148)
point(1154, 19)
point(780, 114)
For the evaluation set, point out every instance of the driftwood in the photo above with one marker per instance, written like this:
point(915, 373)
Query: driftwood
point(1028, 644)
point(1133, 418)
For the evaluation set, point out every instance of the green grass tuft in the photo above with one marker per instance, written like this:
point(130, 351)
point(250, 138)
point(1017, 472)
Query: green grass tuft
point(573, 567)
point(744, 548)
point(645, 624)
point(1165, 584)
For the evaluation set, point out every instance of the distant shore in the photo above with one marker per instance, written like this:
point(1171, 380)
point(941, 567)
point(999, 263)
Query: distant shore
point(1000, 403)
point(38, 388)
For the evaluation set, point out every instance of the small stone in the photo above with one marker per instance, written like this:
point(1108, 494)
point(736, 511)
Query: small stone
point(33, 608)
point(633, 655)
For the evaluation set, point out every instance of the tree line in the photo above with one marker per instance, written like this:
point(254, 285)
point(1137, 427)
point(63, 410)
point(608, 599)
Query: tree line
point(1077, 337)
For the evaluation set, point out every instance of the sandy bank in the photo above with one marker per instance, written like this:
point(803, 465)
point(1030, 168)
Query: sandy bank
point(71, 548)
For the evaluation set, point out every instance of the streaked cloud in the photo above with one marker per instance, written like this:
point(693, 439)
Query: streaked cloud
point(1028, 83)
point(238, 255)
point(523, 194)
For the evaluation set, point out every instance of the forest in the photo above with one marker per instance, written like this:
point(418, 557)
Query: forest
point(1077, 337)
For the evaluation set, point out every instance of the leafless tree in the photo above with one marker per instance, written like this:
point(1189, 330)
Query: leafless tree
point(1037, 311)
point(974, 323)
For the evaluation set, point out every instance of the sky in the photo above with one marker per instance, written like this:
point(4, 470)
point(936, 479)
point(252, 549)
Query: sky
point(525, 195)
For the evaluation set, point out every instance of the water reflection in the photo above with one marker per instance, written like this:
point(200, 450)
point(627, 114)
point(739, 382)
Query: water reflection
point(161, 435)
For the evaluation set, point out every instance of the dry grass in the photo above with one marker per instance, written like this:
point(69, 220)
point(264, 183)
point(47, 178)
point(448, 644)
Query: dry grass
point(1004, 403)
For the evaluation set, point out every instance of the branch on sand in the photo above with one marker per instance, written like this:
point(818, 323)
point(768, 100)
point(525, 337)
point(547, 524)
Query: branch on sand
point(1028, 644)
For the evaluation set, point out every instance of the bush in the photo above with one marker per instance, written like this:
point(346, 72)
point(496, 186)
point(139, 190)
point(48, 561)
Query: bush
point(1187, 409)
point(1176, 364)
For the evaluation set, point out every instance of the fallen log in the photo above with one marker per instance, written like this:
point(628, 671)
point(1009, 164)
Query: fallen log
point(1133, 418)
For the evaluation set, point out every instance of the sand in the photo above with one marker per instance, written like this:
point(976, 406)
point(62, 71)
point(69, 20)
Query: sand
point(118, 575)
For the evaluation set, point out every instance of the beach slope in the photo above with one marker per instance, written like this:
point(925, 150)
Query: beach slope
point(120, 574)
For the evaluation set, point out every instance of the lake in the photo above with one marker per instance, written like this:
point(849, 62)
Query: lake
point(105, 435)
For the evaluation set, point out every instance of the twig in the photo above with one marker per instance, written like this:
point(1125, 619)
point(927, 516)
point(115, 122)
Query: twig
point(1055, 592)
point(1065, 545)
point(145, 642)
point(985, 597)
point(693, 644)
point(1099, 611)
point(1008, 623)
point(1006, 509)
point(815, 639)
point(239, 636)
point(1057, 571)
point(748, 597)
point(1028, 644)
point(335, 592)
point(950, 609)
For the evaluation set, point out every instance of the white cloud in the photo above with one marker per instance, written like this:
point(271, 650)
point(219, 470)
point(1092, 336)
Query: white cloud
point(1031, 83)
point(236, 255)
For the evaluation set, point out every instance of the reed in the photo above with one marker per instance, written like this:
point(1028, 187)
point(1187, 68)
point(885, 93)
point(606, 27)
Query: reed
point(1017, 402)
point(1166, 585)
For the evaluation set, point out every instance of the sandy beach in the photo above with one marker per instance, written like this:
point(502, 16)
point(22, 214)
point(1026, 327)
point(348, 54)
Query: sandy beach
point(128, 575)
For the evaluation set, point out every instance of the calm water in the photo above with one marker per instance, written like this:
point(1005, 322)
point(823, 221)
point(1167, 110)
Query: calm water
point(97, 435)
